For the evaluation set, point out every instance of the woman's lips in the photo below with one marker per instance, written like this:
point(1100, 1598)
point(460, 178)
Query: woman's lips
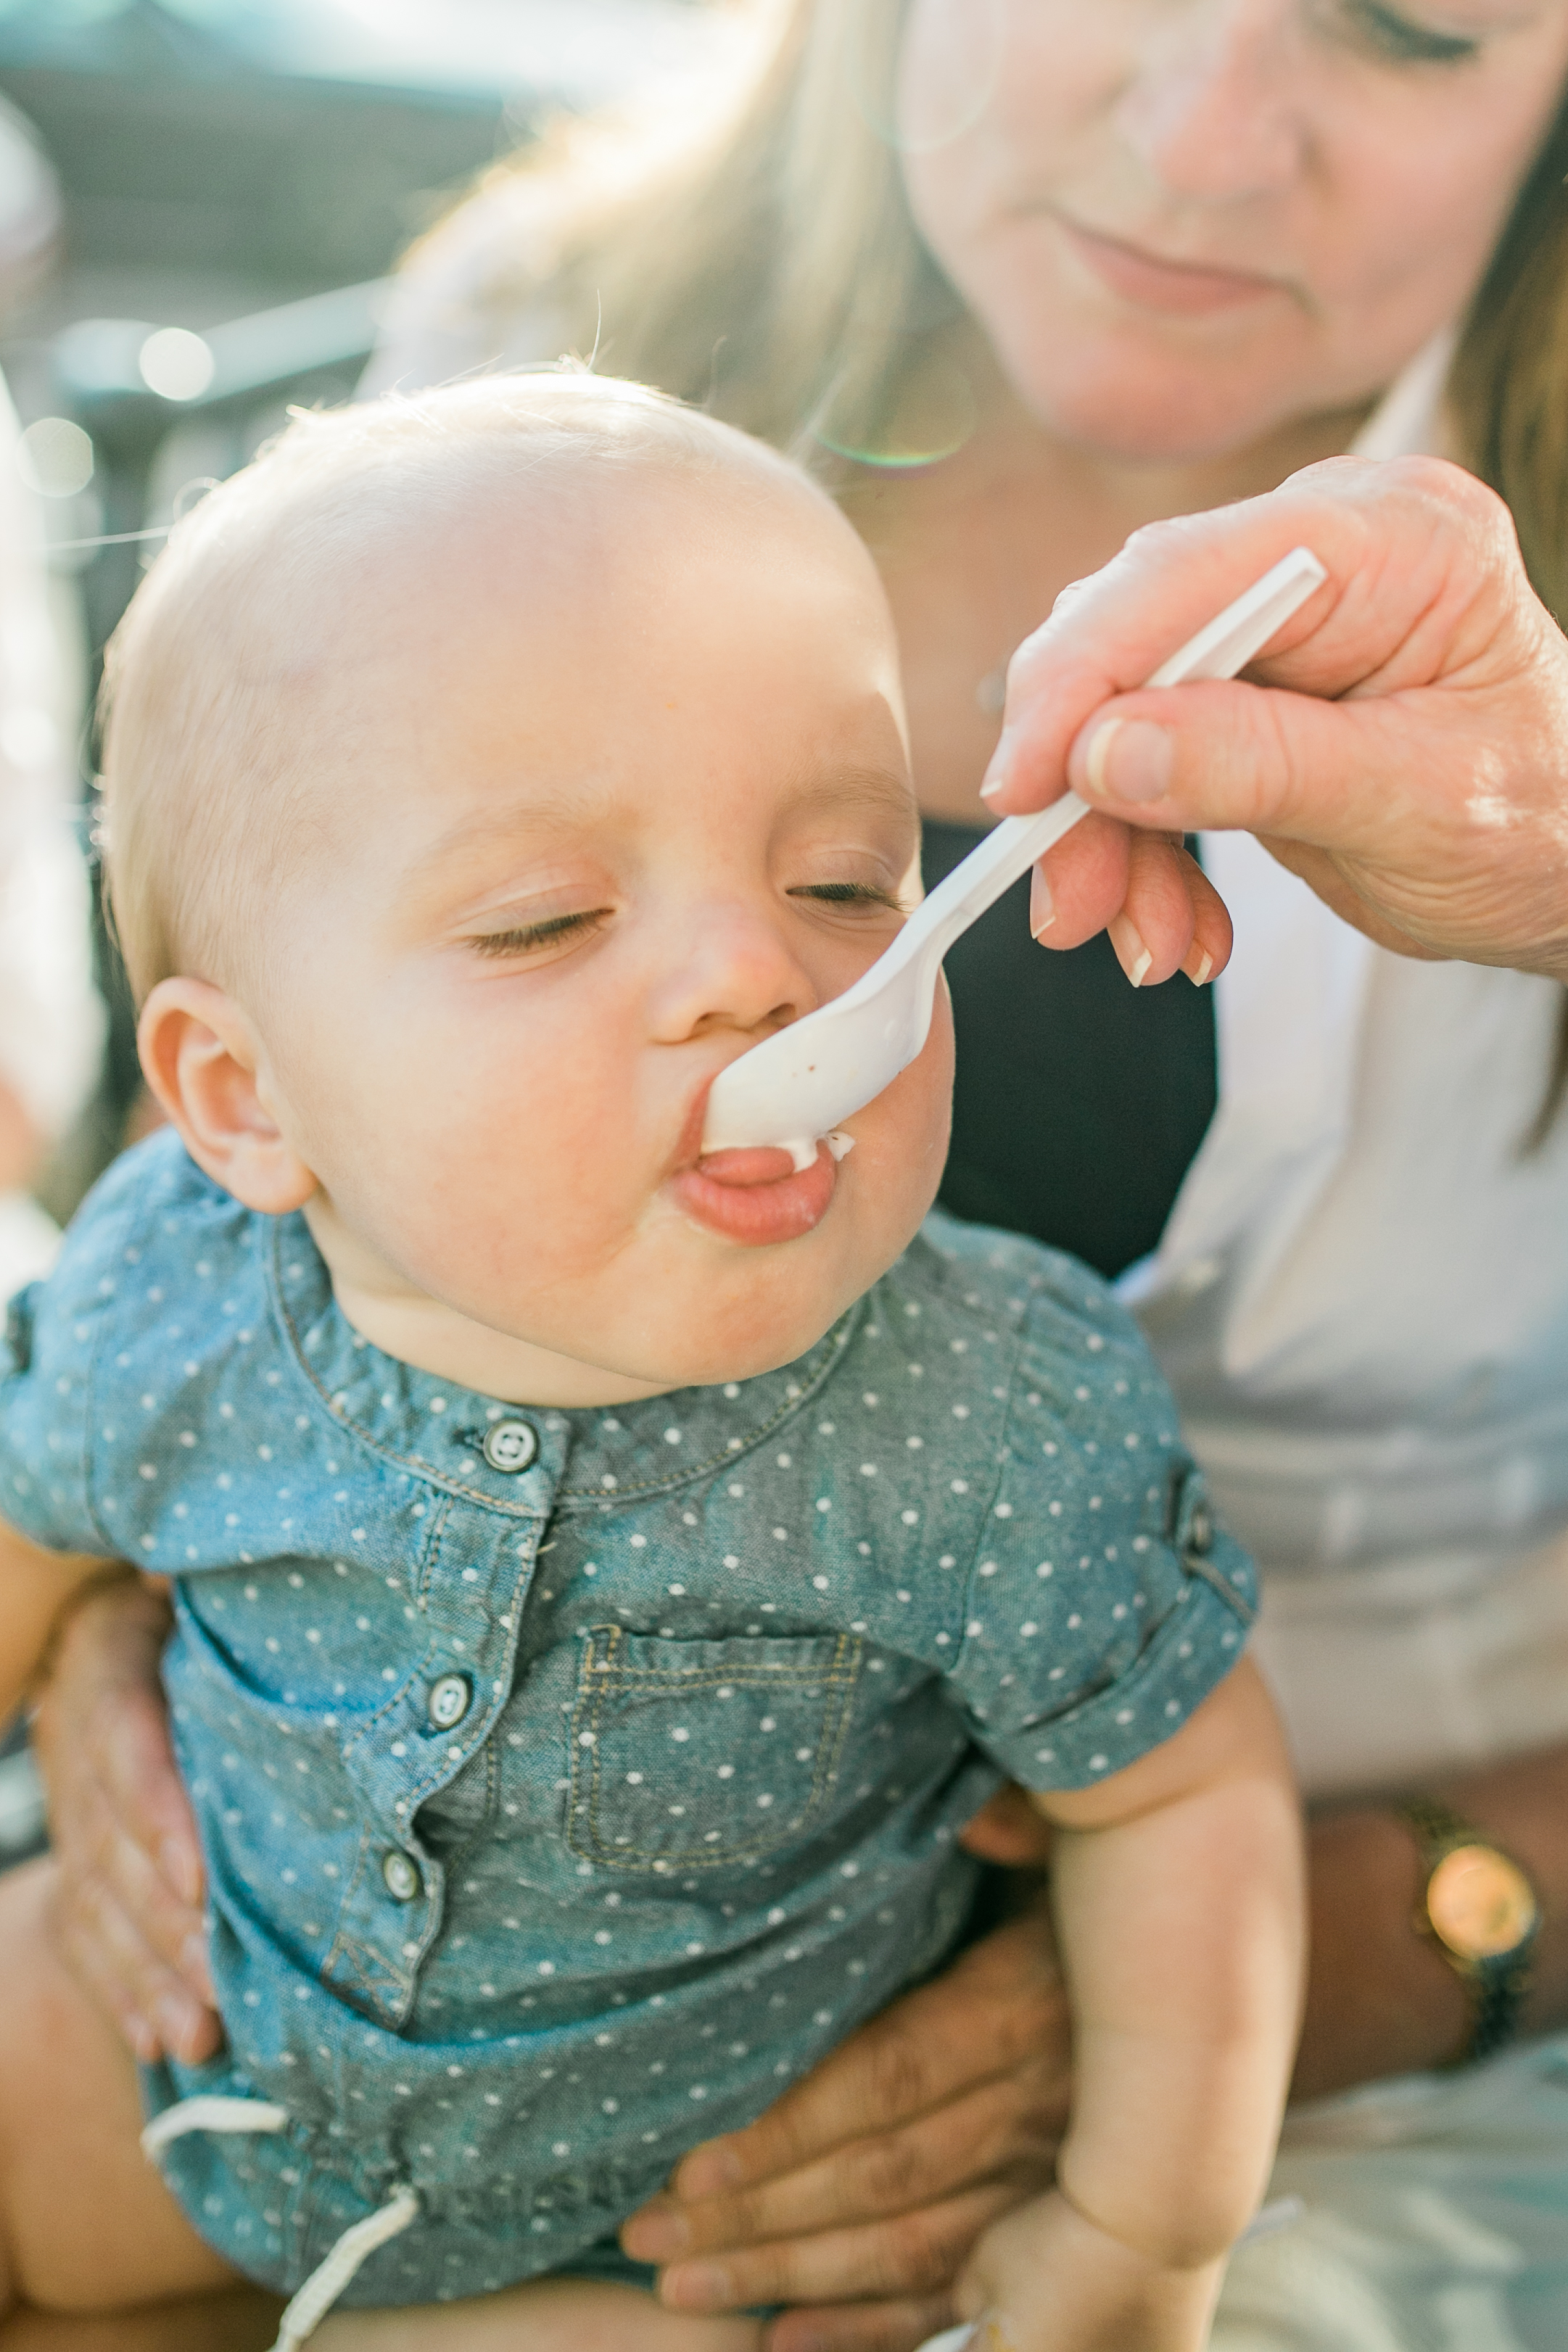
point(1179, 288)
point(756, 1196)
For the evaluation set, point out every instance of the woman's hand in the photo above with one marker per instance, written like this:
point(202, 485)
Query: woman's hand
point(859, 2197)
point(1405, 751)
point(130, 1915)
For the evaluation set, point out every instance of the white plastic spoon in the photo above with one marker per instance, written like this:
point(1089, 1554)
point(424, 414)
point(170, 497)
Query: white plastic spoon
point(797, 1085)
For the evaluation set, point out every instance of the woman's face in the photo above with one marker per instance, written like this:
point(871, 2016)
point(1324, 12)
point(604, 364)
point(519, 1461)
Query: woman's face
point(1184, 223)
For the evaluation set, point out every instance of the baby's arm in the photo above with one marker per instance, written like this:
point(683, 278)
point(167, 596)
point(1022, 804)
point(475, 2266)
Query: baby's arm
point(1178, 1891)
point(34, 1586)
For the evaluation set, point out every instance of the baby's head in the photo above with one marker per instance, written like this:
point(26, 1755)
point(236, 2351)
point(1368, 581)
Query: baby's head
point(484, 772)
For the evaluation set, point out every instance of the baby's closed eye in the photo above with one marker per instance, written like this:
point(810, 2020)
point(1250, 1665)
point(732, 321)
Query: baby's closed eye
point(528, 938)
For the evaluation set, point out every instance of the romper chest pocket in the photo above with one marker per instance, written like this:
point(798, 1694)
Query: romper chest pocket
point(691, 1754)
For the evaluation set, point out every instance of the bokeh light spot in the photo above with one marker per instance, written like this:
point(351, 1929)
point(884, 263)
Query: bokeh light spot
point(175, 363)
point(55, 456)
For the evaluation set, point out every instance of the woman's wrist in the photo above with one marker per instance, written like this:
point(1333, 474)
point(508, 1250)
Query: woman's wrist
point(1380, 1999)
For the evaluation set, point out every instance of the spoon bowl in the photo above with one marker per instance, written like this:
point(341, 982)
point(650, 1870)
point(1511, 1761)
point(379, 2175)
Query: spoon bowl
point(799, 1084)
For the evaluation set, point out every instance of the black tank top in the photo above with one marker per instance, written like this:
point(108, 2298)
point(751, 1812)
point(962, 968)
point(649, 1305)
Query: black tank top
point(1079, 1102)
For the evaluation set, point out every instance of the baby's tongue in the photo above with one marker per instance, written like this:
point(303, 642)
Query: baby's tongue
point(755, 1164)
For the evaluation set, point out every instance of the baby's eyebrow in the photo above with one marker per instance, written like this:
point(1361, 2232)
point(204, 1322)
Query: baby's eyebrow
point(547, 809)
point(875, 790)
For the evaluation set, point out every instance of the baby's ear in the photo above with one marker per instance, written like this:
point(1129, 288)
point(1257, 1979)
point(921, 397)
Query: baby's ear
point(201, 1059)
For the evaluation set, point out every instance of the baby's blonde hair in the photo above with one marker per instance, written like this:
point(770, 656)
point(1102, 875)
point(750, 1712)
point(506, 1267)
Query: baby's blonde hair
point(208, 682)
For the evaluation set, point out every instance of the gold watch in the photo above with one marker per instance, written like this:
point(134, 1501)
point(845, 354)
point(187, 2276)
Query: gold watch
point(1480, 1910)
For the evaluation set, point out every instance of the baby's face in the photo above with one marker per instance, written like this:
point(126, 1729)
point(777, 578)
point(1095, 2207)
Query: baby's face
point(607, 795)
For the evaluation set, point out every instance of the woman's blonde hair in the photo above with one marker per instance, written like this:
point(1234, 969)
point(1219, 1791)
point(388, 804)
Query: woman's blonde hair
point(768, 268)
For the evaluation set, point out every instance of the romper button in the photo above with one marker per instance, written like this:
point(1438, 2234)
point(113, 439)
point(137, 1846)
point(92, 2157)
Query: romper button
point(1200, 1532)
point(402, 1881)
point(509, 1444)
point(449, 1701)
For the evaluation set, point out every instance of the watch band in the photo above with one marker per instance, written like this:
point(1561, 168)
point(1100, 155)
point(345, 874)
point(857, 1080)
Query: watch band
point(1496, 1981)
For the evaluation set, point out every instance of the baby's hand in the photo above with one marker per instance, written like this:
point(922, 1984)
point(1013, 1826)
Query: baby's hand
point(1047, 2279)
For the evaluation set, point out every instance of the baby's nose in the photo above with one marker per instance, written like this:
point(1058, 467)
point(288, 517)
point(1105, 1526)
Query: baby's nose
point(733, 970)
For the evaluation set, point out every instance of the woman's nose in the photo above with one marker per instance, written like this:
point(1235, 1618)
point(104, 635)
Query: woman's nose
point(729, 969)
point(1214, 110)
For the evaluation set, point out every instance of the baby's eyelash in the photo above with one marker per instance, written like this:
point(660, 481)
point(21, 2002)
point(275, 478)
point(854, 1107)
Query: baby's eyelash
point(1400, 41)
point(519, 940)
point(851, 894)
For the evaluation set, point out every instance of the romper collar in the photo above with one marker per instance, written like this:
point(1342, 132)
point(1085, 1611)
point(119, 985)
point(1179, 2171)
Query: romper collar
point(539, 1457)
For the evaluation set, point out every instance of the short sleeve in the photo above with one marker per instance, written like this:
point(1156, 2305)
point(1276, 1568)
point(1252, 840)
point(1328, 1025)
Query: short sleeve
point(55, 1332)
point(1105, 1603)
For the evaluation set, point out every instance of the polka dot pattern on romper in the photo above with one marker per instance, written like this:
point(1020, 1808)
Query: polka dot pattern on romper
point(586, 1804)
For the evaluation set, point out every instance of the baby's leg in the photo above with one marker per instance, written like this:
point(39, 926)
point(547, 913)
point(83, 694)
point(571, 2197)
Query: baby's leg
point(86, 2225)
point(546, 2315)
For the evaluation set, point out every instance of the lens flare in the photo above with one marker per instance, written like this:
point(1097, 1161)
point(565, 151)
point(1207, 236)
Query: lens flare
point(927, 417)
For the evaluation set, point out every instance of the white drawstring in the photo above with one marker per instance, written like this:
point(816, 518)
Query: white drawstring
point(327, 2280)
point(353, 2249)
point(212, 2115)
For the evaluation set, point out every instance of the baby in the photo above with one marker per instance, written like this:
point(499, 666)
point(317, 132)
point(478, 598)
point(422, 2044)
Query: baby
point(606, 1578)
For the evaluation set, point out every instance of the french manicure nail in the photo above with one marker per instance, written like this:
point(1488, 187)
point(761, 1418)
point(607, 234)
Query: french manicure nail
point(998, 765)
point(178, 1866)
point(1042, 906)
point(173, 2020)
point(1204, 966)
point(1133, 956)
point(194, 1964)
point(657, 2233)
point(708, 2171)
point(1130, 760)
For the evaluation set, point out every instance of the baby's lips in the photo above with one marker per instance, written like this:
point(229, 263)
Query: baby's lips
point(761, 1164)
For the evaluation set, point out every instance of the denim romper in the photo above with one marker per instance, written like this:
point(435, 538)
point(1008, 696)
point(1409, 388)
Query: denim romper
point(571, 1783)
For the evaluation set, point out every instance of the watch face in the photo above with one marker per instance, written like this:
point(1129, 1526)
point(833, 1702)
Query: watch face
point(1480, 1903)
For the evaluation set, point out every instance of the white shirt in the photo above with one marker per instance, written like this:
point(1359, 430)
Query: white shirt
point(1361, 1300)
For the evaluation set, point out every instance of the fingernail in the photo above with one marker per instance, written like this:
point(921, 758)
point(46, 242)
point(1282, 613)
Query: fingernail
point(193, 1963)
point(656, 2234)
point(698, 2286)
point(1199, 972)
point(1131, 954)
point(709, 2171)
point(998, 765)
point(1129, 760)
point(1042, 906)
point(178, 1865)
point(173, 2020)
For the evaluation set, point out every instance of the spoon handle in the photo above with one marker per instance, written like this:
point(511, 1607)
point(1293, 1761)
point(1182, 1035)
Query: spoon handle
point(1222, 647)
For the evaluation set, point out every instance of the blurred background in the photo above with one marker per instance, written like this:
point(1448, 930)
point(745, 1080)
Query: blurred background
point(200, 203)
